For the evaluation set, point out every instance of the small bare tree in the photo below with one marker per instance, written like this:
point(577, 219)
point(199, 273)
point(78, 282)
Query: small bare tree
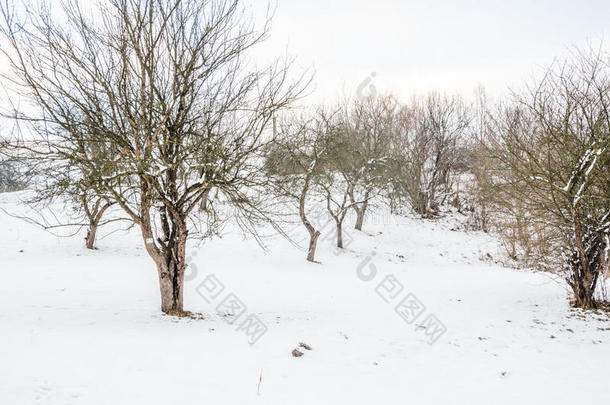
point(367, 126)
point(66, 180)
point(427, 140)
point(297, 161)
point(337, 193)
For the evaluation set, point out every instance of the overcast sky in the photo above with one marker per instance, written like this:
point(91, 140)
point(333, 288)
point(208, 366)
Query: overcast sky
point(420, 45)
point(414, 46)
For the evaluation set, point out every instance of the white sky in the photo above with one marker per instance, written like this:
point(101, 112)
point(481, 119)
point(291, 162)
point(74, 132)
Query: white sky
point(422, 45)
point(415, 46)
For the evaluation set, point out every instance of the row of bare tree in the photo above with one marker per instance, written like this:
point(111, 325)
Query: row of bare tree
point(534, 167)
point(152, 107)
point(367, 150)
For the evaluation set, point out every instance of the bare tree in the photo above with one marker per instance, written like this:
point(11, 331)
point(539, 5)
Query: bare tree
point(427, 139)
point(298, 159)
point(66, 180)
point(95, 211)
point(165, 86)
point(553, 157)
point(333, 186)
point(367, 129)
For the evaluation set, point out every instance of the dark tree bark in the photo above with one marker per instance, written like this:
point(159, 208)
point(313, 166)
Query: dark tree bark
point(314, 234)
point(360, 208)
point(339, 234)
point(171, 269)
point(360, 213)
point(94, 214)
point(587, 263)
point(313, 243)
point(339, 213)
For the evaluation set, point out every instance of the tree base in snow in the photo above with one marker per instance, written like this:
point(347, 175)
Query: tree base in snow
point(590, 305)
point(185, 314)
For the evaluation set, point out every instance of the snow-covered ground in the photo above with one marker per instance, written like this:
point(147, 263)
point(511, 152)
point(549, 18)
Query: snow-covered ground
point(84, 327)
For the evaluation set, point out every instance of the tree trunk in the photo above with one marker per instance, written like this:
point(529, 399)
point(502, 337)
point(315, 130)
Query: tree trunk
point(313, 233)
point(90, 239)
point(359, 207)
point(393, 205)
point(583, 298)
point(94, 223)
point(585, 264)
point(359, 220)
point(339, 235)
point(421, 206)
point(170, 258)
point(338, 216)
point(583, 287)
point(171, 275)
point(313, 243)
point(360, 213)
point(171, 283)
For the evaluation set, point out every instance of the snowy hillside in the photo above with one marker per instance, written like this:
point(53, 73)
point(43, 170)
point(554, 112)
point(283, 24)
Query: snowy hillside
point(82, 327)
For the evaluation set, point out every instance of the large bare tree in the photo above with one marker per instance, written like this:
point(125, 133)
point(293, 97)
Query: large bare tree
point(552, 149)
point(166, 88)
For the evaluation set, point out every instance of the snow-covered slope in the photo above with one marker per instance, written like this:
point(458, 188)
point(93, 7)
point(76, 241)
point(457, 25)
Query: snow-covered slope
point(83, 327)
